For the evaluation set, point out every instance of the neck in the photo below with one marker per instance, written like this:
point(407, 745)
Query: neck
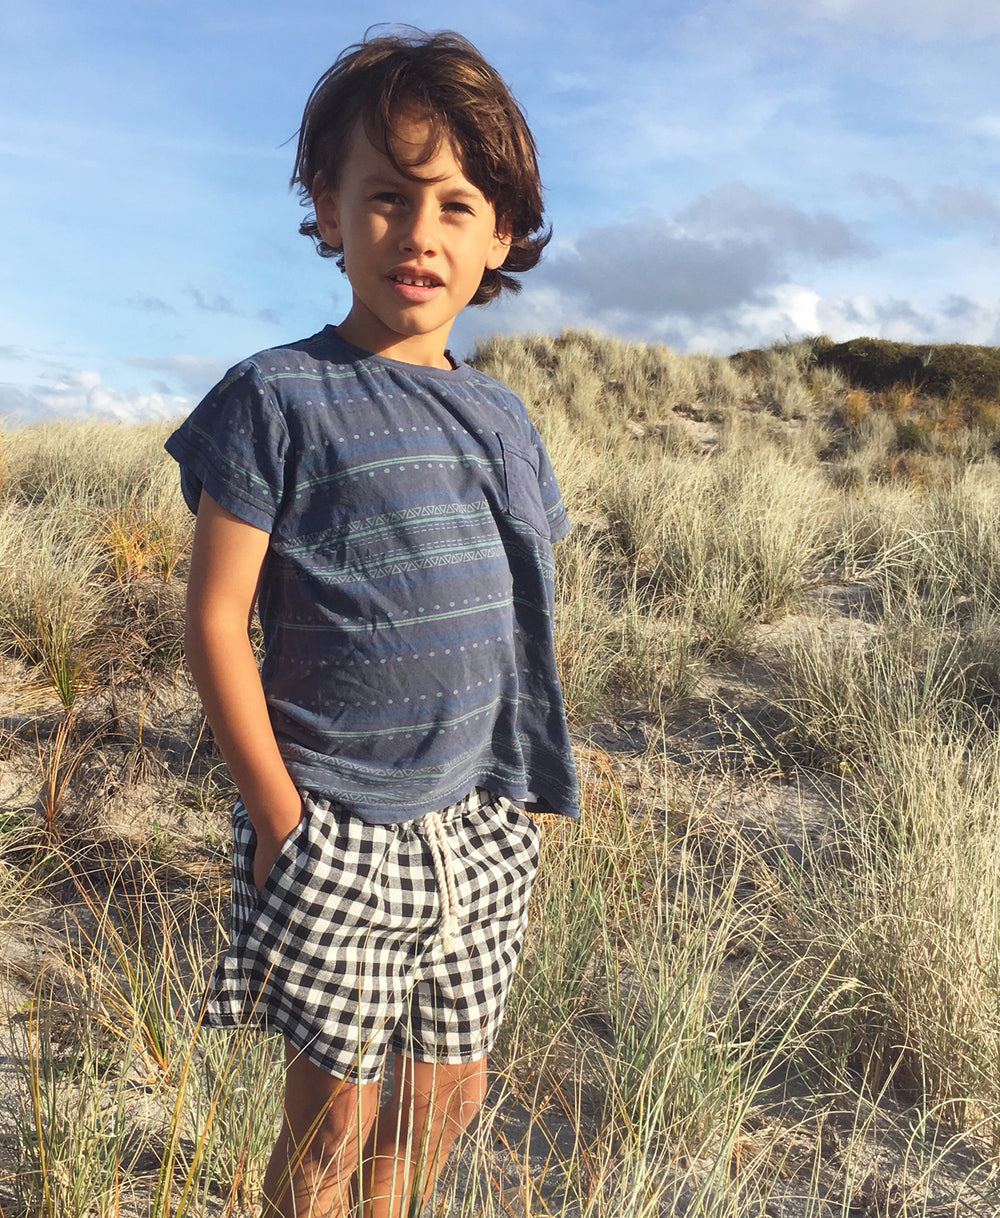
point(425, 349)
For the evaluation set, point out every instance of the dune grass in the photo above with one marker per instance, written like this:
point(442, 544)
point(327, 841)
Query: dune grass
point(616, 1049)
point(705, 1020)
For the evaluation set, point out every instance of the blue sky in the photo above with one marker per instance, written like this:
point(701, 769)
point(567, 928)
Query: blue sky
point(719, 173)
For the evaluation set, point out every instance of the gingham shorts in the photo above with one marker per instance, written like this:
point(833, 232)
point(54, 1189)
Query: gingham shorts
point(367, 937)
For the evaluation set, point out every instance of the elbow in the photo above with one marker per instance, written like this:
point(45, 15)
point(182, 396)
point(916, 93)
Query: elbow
point(212, 639)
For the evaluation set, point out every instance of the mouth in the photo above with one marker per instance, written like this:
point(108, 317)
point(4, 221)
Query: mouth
point(414, 279)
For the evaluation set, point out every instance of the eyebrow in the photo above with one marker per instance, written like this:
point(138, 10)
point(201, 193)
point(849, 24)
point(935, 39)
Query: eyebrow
point(381, 179)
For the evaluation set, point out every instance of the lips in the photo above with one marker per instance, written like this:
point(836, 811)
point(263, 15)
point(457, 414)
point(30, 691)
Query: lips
point(413, 285)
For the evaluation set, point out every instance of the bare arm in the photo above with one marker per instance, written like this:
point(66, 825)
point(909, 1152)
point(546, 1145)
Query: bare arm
point(226, 561)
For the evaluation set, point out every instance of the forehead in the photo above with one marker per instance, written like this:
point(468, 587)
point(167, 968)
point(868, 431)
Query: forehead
point(414, 147)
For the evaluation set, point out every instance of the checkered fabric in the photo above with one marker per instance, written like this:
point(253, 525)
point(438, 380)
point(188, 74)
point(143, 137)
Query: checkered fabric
point(355, 946)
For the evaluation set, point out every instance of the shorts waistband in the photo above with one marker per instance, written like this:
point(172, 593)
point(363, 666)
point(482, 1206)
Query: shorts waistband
point(477, 798)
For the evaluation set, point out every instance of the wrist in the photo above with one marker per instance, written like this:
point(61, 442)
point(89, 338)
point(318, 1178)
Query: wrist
point(273, 820)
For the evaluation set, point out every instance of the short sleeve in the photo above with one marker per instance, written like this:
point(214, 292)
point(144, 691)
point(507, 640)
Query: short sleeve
point(233, 446)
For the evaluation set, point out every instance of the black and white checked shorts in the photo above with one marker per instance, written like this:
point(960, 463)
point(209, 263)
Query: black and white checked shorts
point(367, 937)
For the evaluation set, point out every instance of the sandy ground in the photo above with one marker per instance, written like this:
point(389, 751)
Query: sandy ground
point(726, 737)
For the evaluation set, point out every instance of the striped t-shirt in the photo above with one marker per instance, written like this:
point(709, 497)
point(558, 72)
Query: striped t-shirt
point(406, 599)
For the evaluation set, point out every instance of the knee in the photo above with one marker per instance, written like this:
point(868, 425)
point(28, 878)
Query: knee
point(467, 1101)
point(457, 1098)
point(331, 1137)
point(326, 1120)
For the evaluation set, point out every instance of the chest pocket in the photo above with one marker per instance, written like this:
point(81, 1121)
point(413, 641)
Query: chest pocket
point(524, 498)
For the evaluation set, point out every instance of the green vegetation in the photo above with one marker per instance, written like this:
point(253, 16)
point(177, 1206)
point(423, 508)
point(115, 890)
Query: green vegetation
point(761, 969)
point(945, 370)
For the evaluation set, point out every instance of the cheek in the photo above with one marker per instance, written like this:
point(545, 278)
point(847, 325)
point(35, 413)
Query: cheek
point(369, 231)
point(363, 241)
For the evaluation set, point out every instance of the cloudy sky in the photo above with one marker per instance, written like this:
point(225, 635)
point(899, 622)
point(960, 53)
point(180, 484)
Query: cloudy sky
point(719, 173)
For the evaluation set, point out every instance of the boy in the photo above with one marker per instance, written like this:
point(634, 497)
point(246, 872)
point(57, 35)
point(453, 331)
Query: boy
point(391, 511)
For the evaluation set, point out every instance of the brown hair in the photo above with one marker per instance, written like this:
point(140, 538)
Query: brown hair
point(444, 78)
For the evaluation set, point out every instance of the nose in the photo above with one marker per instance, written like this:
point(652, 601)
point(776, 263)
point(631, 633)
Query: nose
point(419, 233)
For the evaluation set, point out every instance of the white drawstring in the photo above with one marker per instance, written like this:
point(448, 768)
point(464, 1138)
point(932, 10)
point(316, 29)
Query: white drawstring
point(444, 873)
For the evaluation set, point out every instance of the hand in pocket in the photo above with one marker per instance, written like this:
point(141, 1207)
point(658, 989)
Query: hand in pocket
point(269, 845)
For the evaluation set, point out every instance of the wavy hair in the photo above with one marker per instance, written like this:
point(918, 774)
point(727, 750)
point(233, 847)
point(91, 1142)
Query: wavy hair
point(443, 79)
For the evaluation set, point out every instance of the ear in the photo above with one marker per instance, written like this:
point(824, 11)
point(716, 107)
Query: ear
point(498, 251)
point(327, 209)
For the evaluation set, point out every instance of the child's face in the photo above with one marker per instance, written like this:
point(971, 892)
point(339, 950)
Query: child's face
point(414, 251)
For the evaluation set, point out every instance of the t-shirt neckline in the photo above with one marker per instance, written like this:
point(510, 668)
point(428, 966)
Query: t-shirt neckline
point(459, 372)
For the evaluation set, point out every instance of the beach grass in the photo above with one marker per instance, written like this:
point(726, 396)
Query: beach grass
point(782, 592)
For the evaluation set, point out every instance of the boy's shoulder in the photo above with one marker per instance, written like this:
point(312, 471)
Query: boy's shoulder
point(500, 396)
point(257, 375)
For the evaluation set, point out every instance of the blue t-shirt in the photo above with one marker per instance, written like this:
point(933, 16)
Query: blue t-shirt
point(406, 599)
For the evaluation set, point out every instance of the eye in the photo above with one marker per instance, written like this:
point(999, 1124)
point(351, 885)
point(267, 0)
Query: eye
point(389, 197)
point(461, 208)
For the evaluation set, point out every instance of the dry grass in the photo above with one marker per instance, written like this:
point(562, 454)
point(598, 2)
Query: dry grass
point(705, 1021)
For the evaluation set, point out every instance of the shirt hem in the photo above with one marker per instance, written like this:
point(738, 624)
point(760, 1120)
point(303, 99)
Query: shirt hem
point(317, 784)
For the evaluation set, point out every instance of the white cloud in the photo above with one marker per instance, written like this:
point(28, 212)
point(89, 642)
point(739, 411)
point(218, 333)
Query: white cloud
point(538, 309)
point(954, 319)
point(77, 393)
point(738, 268)
point(786, 308)
point(790, 308)
point(17, 405)
point(988, 125)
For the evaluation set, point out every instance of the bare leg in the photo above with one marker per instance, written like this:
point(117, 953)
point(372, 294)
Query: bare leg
point(326, 1123)
point(431, 1105)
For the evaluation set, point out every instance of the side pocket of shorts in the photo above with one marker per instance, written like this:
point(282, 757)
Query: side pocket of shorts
point(247, 901)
